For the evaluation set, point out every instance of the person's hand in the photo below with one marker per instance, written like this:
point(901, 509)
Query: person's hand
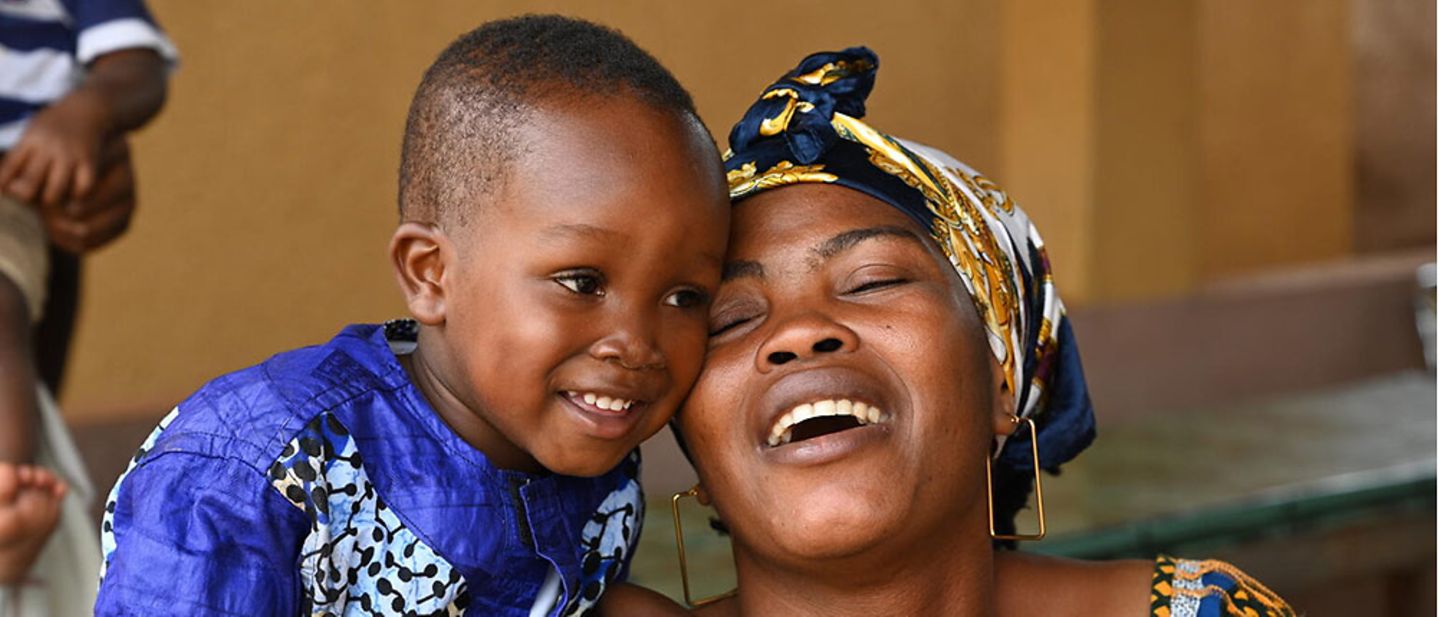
point(88, 223)
point(56, 157)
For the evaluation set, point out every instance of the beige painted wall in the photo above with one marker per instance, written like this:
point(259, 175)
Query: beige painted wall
point(1277, 133)
point(1159, 145)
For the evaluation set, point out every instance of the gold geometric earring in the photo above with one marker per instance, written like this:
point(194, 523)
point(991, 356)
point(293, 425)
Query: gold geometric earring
point(1039, 490)
point(680, 547)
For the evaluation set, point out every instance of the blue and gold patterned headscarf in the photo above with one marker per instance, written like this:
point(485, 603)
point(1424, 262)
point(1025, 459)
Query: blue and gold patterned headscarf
point(806, 127)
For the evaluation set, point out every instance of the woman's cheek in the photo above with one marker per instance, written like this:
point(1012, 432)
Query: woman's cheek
point(712, 414)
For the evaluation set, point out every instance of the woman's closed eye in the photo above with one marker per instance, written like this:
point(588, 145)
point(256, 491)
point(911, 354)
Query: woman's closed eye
point(733, 316)
point(873, 278)
point(876, 284)
point(582, 282)
point(726, 325)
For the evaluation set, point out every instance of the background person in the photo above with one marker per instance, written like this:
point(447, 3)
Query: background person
point(75, 78)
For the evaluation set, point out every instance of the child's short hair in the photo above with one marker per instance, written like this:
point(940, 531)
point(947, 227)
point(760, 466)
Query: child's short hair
point(460, 134)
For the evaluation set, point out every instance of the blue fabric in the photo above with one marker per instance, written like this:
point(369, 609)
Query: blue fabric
point(1210, 588)
point(221, 511)
point(11, 109)
point(20, 34)
point(90, 13)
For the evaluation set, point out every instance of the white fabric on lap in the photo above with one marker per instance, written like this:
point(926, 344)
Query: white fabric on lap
point(23, 254)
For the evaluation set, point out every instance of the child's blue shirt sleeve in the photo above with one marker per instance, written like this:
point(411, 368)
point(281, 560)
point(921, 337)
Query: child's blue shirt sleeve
point(201, 535)
point(105, 26)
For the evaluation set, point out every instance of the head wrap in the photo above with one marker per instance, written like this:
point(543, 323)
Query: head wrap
point(806, 127)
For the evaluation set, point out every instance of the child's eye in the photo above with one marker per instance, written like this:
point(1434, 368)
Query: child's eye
point(588, 283)
point(687, 298)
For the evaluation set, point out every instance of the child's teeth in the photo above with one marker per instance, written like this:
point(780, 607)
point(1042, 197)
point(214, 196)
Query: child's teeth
point(604, 402)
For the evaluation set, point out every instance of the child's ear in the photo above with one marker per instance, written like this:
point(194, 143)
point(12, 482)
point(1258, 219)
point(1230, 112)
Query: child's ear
point(419, 252)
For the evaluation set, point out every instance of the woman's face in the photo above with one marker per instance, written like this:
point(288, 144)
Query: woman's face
point(833, 299)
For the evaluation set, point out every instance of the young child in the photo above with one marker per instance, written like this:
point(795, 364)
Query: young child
point(75, 77)
point(563, 220)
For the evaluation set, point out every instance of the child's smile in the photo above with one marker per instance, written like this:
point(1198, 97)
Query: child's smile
point(609, 417)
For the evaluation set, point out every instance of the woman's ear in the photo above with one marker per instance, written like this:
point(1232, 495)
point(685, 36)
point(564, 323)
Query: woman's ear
point(702, 496)
point(1004, 403)
point(420, 253)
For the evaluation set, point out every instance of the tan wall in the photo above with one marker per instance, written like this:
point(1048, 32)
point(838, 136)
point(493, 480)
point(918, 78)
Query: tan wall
point(1146, 158)
point(1159, 145)
point(1277, 133)
point(1047, 128)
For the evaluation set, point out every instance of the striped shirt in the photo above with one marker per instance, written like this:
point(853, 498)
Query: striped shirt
point(45, 46)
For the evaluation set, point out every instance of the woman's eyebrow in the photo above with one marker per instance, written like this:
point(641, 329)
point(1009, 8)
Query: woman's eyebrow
point(844, 241)
point(739, 269)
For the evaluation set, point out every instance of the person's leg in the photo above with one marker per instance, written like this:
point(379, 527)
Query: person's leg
point(53, 334)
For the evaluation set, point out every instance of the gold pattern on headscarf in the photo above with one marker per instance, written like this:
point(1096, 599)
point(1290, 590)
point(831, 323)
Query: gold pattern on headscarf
point(994, 198)
point(777, 125)
point(961, 231)
point(744, 181)
point(833, 71)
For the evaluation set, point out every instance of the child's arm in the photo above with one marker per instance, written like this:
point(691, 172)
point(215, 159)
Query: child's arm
point(57, 156)
point(194, 534)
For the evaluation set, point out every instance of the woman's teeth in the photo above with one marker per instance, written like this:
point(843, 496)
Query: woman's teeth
point(604, 402)
point(780, 433)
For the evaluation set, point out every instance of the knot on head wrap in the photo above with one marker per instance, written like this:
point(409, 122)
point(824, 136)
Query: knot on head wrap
point(806, 127)
point(799, 106)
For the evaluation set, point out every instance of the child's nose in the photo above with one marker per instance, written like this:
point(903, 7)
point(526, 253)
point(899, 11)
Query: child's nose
point(631, 347)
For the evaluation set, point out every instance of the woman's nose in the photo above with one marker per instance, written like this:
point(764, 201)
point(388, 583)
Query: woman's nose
point(804, 337)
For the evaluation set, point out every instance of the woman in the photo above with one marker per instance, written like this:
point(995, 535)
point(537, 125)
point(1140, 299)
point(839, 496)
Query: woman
point(857, 390)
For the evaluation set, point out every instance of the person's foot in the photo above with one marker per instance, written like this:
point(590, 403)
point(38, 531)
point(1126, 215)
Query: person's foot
point(29, 509)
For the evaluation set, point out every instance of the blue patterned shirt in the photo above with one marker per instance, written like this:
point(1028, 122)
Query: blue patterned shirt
point(320, 482)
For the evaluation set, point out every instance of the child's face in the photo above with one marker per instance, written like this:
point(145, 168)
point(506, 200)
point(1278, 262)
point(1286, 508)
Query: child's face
point(586, 280)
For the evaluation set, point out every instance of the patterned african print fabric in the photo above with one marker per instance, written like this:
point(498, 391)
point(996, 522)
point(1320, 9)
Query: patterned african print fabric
point(321, 483)
point(807, 128)
point(1185, 588)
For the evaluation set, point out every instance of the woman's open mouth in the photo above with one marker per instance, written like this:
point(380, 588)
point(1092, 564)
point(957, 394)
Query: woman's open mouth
point(823, 417)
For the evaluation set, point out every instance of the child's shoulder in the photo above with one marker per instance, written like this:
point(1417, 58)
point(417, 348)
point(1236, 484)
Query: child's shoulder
point(251, 413)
